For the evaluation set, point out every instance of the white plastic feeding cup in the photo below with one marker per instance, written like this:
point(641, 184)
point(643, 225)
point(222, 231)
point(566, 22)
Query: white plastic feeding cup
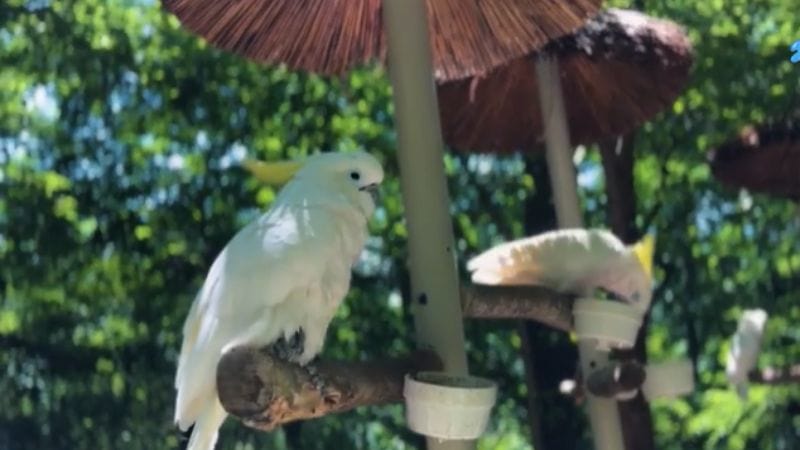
point(612, 324)
point(446, 406)
point(668, 379)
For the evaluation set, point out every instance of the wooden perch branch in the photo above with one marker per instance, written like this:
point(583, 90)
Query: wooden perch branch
point(266, 392)
point(615, 378)
point(609, 381)
point(518, 302)
point(772, 375)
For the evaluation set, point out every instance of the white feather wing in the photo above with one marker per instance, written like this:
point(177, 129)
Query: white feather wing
point(280, 256)
point(566, 260)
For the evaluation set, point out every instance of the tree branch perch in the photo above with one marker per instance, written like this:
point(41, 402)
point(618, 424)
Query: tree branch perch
point(266, 392)
point(771, 375)
point(607, 382)
point(615, 378)
point(537, 303)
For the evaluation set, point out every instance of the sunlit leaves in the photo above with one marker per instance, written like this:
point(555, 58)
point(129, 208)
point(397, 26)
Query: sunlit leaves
point(9, 322)
point(120, 135)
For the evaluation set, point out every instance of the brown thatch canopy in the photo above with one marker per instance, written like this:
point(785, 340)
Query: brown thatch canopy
point(617, 72)
point(333, 36)
point(763, 158)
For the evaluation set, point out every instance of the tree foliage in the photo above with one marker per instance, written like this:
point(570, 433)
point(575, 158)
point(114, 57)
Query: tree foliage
point(119, 137)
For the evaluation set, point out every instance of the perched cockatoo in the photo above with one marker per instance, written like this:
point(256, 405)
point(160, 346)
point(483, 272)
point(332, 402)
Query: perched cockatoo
point(745, 347)
point(574, 261)
point(279, 280)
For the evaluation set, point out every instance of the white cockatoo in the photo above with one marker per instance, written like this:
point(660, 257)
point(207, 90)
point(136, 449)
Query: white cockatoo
point(573, 261)
point(279, 280)
point(744, 349)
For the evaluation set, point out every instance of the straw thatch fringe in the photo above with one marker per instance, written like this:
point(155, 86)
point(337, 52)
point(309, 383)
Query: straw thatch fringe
point(617, 72)
point(333, 36)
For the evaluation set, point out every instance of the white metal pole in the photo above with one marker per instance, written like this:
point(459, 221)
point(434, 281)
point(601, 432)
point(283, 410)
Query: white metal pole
point(434, 278)
point(603, 413)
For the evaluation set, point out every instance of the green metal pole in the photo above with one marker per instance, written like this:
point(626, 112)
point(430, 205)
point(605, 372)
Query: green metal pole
point(434, 278)
point(603, 413)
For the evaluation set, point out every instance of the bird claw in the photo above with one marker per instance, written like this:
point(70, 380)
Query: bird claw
point(314, 377)
point(291, 349)
point(328, 394)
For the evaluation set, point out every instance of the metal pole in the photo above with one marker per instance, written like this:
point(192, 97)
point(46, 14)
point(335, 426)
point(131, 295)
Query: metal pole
point(434, 278)
point(603, 413)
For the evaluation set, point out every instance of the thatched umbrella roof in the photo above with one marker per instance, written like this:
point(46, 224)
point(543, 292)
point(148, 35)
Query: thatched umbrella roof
point(617, 72)
point(764, 158)
point(333, 36)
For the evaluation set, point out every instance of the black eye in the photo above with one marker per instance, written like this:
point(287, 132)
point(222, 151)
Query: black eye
point(355, 176)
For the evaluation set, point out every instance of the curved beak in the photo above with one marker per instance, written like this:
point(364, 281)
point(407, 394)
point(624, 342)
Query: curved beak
point(272, 173)
point(371, 189)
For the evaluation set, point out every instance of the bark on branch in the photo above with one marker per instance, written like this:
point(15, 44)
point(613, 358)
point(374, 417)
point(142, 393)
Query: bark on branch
point(616, 378)
point(772, 375)
point(536, 303)
point(266, 392)
point(607, 382)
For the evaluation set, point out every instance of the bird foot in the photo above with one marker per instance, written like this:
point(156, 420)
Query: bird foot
point(313, 375)
point(291, 349)
point(328, 393)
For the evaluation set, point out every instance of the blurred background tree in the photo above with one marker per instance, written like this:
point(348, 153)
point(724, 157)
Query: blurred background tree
point(119, 140)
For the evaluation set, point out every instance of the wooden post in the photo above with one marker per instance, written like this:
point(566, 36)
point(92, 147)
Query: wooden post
point(434, 278)
point(603, 413)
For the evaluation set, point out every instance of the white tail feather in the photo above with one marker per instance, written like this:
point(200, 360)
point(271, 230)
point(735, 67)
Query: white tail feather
point(196, 388)
point(206, 429)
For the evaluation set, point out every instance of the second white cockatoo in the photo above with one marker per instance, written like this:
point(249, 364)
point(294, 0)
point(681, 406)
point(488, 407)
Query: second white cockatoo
point(573, 261)
point(279, 280)
point(745, 348)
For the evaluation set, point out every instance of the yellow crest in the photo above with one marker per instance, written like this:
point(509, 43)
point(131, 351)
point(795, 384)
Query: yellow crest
point(272, 173)
point(644, 250)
